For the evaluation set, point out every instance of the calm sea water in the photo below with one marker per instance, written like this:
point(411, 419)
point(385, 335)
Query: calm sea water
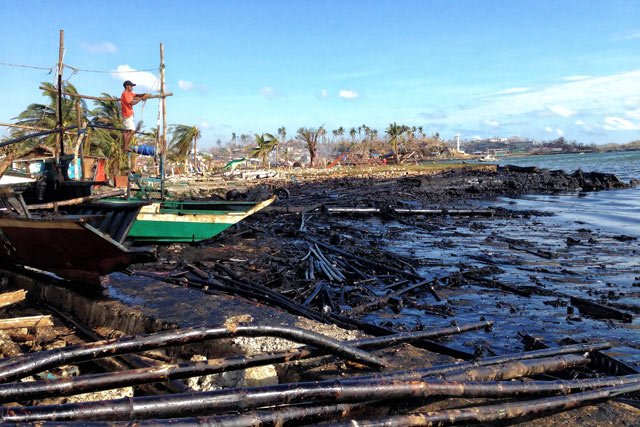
point(592, 242)
point(615, 211)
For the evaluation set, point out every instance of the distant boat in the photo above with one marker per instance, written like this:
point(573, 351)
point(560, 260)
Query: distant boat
point(488, 158)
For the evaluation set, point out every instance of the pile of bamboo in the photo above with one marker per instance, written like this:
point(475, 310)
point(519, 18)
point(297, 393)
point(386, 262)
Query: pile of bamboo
point(389, 397)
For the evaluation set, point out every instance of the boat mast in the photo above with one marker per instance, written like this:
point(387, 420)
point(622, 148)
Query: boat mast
point(163, 149)
point(60, 135)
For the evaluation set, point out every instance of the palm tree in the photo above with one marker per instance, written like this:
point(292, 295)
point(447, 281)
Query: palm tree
point(282, 133)
point(266, 143)
point(45, 115)
point(310, 137)
point(42, 116)
point(395, 131)
point(352, 133)
point(183, 138)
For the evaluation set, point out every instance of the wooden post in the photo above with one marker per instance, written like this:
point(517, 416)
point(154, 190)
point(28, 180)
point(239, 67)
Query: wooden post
point(163, 149)
point(60, 71)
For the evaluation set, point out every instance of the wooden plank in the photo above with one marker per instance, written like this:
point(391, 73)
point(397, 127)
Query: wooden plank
point(9, 298)
point(26, 322)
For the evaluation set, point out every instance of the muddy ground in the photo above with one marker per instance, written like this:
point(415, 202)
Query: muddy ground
point(347, 243)
point(520, 269)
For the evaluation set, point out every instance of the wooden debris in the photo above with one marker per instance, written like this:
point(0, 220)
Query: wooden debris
point(9, 298)
point(26, 322)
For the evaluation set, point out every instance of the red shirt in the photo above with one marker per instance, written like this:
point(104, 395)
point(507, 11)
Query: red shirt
point(125, 100)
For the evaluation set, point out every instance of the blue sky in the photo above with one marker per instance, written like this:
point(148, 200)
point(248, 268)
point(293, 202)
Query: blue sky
point(482, 68)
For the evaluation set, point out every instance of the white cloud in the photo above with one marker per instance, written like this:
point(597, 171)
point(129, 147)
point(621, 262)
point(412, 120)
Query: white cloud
point(143, 79)
point(269, 92)
point(603, 95)
point(513, 90)
point(185, 85)
point(634, 114)
point(561, 110)
point(104, 47)
point(548, 129)
point(493, 123)
point(575, 78)
point(630, 35)
point(204, 124)
point(348, 94)
point(618, 123)
point(580, 123)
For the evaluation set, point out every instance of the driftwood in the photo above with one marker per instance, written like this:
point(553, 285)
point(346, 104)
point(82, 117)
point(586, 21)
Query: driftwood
point(9, 298)
point(26, 322)
point(599, 310)
point(385, 299)
point(25, 365)
point(335, 391)
point(263, 294)
point(365, 260)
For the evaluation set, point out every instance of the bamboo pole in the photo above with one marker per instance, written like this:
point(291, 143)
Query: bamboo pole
point(59, 97)
point(24, 137)
point(101, 98)
point(267, 417)
point(13, 125)
point(499, 412)
point(9, 298)
point(335, 391)
point(76, 201)
point(26, 322)
point(106, 381)
point(163, 152)
point(27, 364)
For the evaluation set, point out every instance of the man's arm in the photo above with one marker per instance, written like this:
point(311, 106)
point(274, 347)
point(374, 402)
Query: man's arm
point(138, 97)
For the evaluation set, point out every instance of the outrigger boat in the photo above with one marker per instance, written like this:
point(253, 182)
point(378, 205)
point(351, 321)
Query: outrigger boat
point(177, 221)
point(190, 221)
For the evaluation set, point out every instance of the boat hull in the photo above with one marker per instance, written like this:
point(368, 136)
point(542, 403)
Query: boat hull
point(70, 248)
point(190, 221)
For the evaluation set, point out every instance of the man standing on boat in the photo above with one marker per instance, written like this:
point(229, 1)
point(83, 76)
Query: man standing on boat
point(127, 100)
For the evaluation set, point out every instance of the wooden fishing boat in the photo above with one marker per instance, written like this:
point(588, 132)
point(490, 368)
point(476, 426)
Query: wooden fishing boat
point(66, 246)
point(80, 248)
point(189, 221)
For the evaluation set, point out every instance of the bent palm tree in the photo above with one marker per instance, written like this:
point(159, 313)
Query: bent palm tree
point(266, 143)
point(310, 137)
point(182, 139)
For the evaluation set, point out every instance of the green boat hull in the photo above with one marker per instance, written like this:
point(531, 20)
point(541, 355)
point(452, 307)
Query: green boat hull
point(189, 221)
point(170, 231)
